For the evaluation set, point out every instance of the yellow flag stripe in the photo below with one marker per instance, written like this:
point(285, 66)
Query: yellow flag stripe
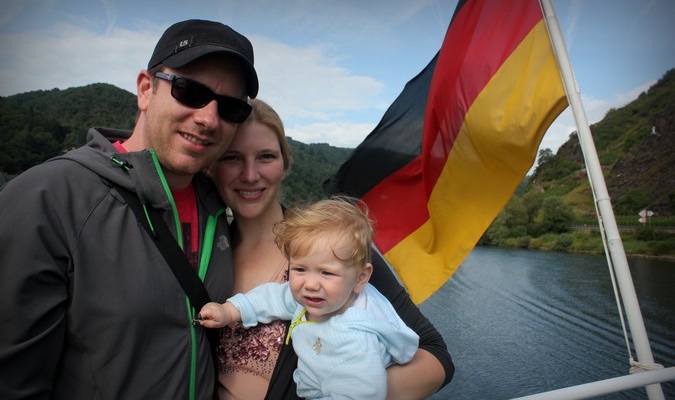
point(494, 149)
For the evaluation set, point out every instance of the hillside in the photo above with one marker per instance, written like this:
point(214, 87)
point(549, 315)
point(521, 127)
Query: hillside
point(35, 126)
point(634, 145)
point(633, 142)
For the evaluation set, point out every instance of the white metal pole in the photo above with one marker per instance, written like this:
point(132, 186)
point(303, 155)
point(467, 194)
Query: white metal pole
point(607, 221)
point(605, 387)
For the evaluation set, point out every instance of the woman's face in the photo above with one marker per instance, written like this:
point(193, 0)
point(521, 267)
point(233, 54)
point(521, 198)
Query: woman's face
point(249, 174)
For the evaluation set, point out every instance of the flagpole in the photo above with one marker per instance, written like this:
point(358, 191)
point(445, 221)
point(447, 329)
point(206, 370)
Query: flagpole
point(613, 244)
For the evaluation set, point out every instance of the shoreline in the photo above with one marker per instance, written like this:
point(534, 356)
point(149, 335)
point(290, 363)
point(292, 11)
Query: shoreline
point(665, 257)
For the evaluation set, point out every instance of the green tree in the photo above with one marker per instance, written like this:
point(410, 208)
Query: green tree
point(532, 202)
point(510, 223)
point(544, 156)
point(517, 217)
point(555, 215)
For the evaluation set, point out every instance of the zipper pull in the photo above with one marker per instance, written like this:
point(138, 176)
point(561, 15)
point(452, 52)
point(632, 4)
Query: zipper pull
point(121, 163)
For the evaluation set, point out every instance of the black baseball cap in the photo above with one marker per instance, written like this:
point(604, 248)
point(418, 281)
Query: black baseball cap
point(186, 41)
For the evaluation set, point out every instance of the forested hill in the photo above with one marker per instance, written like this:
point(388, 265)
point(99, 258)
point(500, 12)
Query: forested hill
point(635, 146)
point(35, 126)
point(41, 124)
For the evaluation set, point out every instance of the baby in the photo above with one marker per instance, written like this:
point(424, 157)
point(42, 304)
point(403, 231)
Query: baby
point(343, 330)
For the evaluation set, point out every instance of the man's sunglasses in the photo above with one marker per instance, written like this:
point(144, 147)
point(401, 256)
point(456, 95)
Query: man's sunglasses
point(195, 95)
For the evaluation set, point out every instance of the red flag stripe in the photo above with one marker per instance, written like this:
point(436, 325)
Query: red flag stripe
point(494, 29)
point(482, 35)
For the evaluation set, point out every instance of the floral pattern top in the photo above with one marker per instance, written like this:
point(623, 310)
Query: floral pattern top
point(250, 351)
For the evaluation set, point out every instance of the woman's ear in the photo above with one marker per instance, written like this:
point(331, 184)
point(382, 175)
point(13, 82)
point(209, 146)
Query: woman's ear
point(363, 277)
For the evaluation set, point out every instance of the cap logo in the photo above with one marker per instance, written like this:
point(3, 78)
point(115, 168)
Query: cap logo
point(183, 44)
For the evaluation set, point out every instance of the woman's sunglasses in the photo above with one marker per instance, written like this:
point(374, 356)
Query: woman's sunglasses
point(195, 95)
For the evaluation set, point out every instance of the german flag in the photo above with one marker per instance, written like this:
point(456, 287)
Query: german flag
point(453, 147)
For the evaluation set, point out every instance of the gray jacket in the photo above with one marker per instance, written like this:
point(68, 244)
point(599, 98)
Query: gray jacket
point(89, 309)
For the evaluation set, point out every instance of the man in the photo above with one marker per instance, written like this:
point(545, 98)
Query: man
point(88, 307)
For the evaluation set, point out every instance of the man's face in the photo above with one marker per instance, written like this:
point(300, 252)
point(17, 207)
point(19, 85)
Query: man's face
point(186, 139)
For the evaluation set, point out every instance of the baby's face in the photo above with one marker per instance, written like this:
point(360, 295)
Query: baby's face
point(322, 283)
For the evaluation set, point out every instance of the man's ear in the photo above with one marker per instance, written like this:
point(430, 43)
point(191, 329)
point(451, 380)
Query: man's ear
point(363, 277)
point(144, 89)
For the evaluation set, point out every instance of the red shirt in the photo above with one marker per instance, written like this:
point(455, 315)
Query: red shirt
point(186, 205)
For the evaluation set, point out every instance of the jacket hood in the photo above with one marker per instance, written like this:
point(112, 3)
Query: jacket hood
point(136, 171)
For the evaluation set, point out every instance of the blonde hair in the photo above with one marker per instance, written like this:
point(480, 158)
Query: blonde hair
point(345, 216)
point(263, 113)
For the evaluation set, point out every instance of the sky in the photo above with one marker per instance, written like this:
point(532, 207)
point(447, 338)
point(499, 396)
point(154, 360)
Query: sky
point(330, 68)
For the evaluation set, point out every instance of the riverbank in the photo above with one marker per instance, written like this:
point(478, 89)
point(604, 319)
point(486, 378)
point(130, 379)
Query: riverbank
point(635, 244)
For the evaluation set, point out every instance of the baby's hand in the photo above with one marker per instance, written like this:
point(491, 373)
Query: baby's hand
point(211, 315)
point(197, 320)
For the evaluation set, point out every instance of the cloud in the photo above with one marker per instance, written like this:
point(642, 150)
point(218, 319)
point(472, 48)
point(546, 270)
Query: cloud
point(324, 101)
point(111, 13)
point(319, 100)
point(339, 134)
point(71, 56)
point(314, 70)
point(305, 83)
point(574, 12)
point(11, 10)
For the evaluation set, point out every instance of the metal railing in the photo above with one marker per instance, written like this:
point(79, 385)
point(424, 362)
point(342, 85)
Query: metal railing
point(607, 386)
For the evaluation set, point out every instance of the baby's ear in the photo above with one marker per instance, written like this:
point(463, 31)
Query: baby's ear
point(363, 277)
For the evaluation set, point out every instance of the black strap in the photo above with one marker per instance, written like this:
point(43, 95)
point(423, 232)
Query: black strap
point(173, 254)
point(282, 386)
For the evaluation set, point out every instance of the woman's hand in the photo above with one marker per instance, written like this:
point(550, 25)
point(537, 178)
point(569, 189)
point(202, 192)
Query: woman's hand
point(417, 379)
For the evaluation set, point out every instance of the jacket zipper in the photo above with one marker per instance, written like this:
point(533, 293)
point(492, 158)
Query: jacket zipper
point(205, 256)
point(192, 383)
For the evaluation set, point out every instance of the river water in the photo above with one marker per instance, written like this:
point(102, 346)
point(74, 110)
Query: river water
point(520, 322)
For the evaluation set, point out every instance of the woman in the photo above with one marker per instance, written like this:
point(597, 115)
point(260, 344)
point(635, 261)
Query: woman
point(254, 361)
